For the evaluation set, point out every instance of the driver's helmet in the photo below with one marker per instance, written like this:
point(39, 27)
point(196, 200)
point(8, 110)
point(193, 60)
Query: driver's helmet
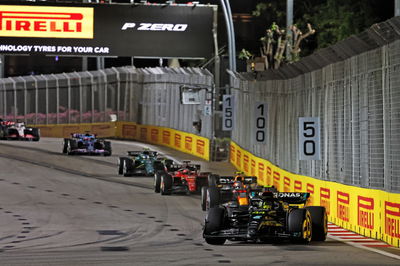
point(237, 185)
point(185, 171)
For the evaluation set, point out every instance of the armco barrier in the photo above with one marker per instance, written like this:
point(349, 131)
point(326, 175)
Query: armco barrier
point(179, 140)
point(370, 212)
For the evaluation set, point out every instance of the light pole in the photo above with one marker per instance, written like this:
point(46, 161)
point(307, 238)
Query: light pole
point(289, 23)
point(396, 8)
point(226, 8)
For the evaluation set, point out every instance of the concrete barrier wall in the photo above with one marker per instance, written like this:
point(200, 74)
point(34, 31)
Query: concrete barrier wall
point(370, 212)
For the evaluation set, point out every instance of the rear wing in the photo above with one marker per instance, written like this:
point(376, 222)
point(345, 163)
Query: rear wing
point(292, 197)
point(137, 153)
point(224, 180)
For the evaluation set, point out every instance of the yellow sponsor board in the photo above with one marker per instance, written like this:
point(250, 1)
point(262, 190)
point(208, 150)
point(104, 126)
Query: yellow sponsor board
point(46, 22)
point(179, 140)
point(370, 212)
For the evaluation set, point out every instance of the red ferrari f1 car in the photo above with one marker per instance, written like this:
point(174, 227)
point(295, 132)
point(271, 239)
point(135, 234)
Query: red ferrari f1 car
point(180, 178)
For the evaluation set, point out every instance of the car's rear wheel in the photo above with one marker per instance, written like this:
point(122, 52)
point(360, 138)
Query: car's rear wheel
point(300, 226)
point(65, 146)
point(107, 148)
point(127, 167)
point(213, 197)
point(204, 198)
point(121, 165)
point(71, 146)
point(319, 220)
point(36, 134)
point(157, 182)
point(212, 180)
point(214, 222)
point(166, 184)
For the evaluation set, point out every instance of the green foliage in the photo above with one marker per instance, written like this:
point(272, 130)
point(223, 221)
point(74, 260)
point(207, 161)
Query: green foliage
point(244, 54)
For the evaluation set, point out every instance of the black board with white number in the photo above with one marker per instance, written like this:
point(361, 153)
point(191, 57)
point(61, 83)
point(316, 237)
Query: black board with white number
point(228, 112)
point(260, 123)
point(309, 138)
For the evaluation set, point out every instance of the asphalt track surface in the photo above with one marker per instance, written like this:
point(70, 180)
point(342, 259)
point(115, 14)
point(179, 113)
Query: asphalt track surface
point(75, 210)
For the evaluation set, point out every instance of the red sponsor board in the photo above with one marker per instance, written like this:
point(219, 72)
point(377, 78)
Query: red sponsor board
point(325, 194)
point(129, 131)
point(188, 143)
point(246, 163)
point(310, 189)
point(286, 184)
point(277, 180)
point(392, 219)
point(261, 169)
point(238, 158)
point(232, 153)
point(269, 175)
point(154, 135)
point(298, 187)
point(253, 167)
point(200, 144)
point(166, 137)
point(365, 212)
point(343, 206)
point(178, 139)
point(143, 133)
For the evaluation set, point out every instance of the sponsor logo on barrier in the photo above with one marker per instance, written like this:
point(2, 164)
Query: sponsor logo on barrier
point(343, 206)
point(277, 180)
point(325, 200)
point(143, 133)
point(246, 163)
point(200, 145)
point(46, 22)
point(310, 189)
point(269, 175)
point(154, 135)
point(261, 169)
point(68, 130)
point(178, 140)
point(253, 167)
point(154, 26)
point(298, 186)
point(238, 158)
point(365, 212)
point(232, 153)
point(286, 184)
point(166, 137)
point(102, 130)
point(129, 131)
point(392, 219)
point(188, 143)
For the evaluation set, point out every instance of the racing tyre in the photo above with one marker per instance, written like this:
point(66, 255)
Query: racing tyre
point(158, 166)
point(71, 146)
point(121, 165)
point(214, 222)
point(2, 134)
point(107, 148)
point(212, 180)
point(36, 134)
point(300, 226)
point(127, 167)
point(165, 184)
point(65, 146)
point(157, 181)
point(213, 198)
point(204, 198)
point(319, 220)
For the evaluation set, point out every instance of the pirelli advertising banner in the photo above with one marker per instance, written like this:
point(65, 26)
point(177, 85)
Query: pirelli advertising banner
point(370, 212)
point(106, 30)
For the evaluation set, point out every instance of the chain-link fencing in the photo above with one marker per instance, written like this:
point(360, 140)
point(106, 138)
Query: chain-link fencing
point(150, 96)
point(354, 88)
